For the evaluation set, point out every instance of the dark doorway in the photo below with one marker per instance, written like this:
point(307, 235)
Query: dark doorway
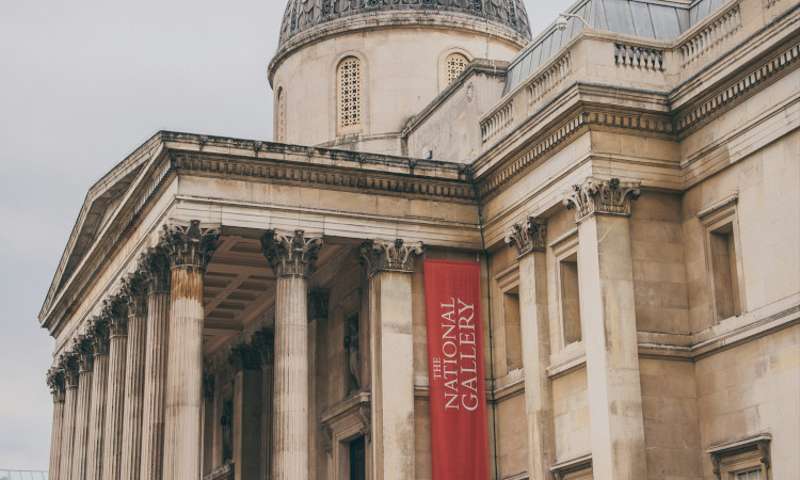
point(358, 459)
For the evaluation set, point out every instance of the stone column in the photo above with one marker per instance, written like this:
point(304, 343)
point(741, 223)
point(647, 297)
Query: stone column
point(317, 313)
point(134, 289)
point(208, 422)
point(608, 321)
point(390, 266)
point(246, 364)
point(157, 272)
point(71, 375)
point(530, 240)
point(83, 407)
point(292, 258)
point(55, 380)
point(265, 342)
point(190, 249)
point(117, 315)
point(94, 452)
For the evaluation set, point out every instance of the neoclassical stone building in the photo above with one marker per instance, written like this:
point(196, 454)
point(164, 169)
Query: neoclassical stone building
point(628, 182)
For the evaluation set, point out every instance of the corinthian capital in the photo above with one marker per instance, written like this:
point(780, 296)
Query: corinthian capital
point(190, 246)
point(387, 256)
point(98, 329)
point(55, 380)
point(530, 237)
point(84, 347)
point(290, 255)
point(134, 290)
point(115, 312)
point(69, 362)
point(156, 268)
point(602, 197)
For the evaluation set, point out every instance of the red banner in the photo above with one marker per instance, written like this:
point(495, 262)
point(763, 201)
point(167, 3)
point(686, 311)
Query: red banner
point(459, 430)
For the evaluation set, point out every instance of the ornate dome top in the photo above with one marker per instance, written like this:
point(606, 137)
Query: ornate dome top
point(303, 15)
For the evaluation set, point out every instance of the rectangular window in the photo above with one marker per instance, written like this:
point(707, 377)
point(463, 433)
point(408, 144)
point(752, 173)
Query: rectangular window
point(722, 248)
point(358, 459)
point(754, 474)
point(570, 299)
point(513, 330)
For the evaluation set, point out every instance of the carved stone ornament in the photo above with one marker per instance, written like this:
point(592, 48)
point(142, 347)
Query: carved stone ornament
point(291, 255)
point(99, 331)
point(386, 256)
point(264, 341)
point(244, 357)
point(71, 369)
point(156, 269)
point(189, 246)
point(84, 346)
point(55, 380)
point(530, 237)
point(602, 197)
point(115, 312)
point(134, 289)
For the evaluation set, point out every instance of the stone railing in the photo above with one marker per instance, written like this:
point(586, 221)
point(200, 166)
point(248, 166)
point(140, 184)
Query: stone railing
point(712, 35)
point(549, 79)
point(499, 120)
point(642, 58)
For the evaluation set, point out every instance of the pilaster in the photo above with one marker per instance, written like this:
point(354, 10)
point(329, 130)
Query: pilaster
point(318, 301)
point(189, 248)
point(265, 342)
point(246, 362)
point(389, 265)
point(135, 293)
point(100, 347)
point(292, 257)
point(157, 274)
point(55, 380)
point(608, 322)
point(530, 240)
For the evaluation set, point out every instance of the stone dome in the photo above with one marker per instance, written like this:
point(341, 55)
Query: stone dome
point(304, 15)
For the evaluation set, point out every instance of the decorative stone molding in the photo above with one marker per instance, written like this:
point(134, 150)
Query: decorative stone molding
point(531, 237)
point(581, 464)
point(291, 255)
point(156, 270)
point(318, 300)
point(55, 380)
point(390, 256)
point(264, 341)
point(189, 246)
point(244, 357)
point(85, 347)
point(346, 420)
point(602, 197)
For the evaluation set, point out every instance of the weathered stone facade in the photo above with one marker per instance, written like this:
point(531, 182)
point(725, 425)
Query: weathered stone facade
point(242, 309)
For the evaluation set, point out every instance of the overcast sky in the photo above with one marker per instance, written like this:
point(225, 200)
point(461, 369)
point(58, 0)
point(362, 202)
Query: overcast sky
point(83, 83)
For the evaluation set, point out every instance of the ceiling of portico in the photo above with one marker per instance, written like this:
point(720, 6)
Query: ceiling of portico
point(239, 292)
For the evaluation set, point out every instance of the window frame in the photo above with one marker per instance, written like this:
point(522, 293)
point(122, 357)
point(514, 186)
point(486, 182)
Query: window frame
point(444, 81)
point(341, 128)
point(562, 249)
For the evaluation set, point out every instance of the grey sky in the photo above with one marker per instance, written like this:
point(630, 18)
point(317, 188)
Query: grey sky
point(81, 85)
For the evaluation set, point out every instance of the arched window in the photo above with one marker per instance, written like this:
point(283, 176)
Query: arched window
point(456, 63)
point(348, 79)
point(280, 115)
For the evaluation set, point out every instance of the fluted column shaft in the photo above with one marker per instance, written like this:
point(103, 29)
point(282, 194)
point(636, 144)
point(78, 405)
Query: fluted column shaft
point(154, 385)
point(134, 389)
point(290, 408)
point(184, 397)
point(56, 382)
point(68, 433)
point(112, 444)
point(82, 412)
point(94, 452)
point(267, 378)
point(55, 436)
